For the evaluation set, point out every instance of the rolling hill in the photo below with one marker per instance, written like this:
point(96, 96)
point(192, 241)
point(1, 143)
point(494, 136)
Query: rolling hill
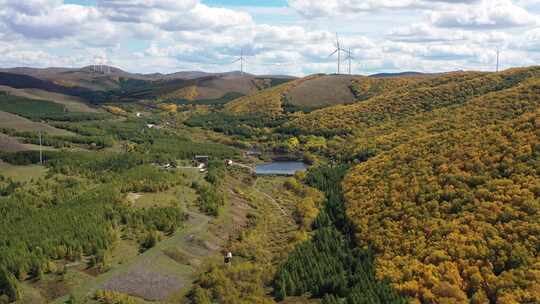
point(420, 96)
point(440, 172)
point(317, 91)
point(447, 194)
point(445, 178)
point(112, 84)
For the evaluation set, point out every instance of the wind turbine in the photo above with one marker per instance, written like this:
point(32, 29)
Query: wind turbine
point(349, 58)
point(241, 59)
point(338, 50)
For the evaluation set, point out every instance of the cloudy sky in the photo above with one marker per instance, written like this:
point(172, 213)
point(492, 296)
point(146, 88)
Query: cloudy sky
point(278, 36)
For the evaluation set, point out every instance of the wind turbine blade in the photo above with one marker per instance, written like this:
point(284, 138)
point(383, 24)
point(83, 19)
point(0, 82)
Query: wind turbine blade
point(236, 60)
point(333, 53)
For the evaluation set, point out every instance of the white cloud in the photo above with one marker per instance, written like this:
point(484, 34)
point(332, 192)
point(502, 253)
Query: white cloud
point(488, 14)
point(43, 19)
point(168, 35)
point(530, 42)
point(172, 15)
point(318, 8)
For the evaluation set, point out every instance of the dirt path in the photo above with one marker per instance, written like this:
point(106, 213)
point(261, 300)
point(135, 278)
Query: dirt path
point(251, 170)
point(270, 198)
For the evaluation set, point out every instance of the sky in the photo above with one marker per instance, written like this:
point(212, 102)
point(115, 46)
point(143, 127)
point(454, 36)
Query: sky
point(293, 37)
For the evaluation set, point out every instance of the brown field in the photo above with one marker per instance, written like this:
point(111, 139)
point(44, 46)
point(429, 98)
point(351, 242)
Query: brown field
point(10, 144)
point(73, 104)
point(216, 88)
point(8, 120)
point(323, 91)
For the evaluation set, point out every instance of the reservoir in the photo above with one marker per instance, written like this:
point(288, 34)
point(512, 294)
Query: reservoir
point(280, 168)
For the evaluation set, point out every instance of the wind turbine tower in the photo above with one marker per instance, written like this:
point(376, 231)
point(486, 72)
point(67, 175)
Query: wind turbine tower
point(338, 50)
point(241, 59)
point(349, 58)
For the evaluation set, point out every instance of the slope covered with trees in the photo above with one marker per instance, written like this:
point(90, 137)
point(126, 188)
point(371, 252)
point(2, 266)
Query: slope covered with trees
point(455, 217)
point(445, 91)
point(446, 194)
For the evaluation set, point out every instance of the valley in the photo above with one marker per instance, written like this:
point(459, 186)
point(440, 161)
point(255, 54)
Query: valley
point(124, 188)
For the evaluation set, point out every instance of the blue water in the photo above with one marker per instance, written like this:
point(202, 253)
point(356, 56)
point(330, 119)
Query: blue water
point(280, 168)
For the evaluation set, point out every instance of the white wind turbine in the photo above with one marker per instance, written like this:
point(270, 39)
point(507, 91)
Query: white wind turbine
point(242, 60)
point(349, 58)
point(338, 50)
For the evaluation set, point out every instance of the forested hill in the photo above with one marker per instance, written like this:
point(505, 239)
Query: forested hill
point(315, 92)
point(455, 217)
point(448, 193)
point(446, 91)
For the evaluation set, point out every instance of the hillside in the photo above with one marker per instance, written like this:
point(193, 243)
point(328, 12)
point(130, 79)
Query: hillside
point(455, 217)
point(448, 196)
point(444, 187)
point(315, 92)
point(419, 97)
point(72, 103)
point(422, 188)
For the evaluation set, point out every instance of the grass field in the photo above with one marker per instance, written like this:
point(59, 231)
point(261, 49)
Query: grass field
point(10, 144)
point(12, 121)
point(22, 173)
point(322, 91)
point(72, 103)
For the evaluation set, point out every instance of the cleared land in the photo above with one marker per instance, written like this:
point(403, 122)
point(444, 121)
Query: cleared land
point(72, 103)
point(10, 144)
point(12, 121)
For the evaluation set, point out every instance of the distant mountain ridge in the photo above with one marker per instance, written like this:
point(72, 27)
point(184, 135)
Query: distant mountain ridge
point(105, 83)
point(401, 74)
point(111, 70)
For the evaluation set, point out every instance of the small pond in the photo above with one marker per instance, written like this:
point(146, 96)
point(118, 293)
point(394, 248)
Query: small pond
point(280, 168)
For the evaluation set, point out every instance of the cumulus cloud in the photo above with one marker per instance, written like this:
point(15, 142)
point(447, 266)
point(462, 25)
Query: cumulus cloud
point(317, 8)
point(530, 42)
point(168, 35)
point(172, 15)
point(488, 14)
point(46, 19)
point(422, 32)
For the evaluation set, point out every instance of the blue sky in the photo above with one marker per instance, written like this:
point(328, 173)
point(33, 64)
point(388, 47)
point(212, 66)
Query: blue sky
point(278, 36)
